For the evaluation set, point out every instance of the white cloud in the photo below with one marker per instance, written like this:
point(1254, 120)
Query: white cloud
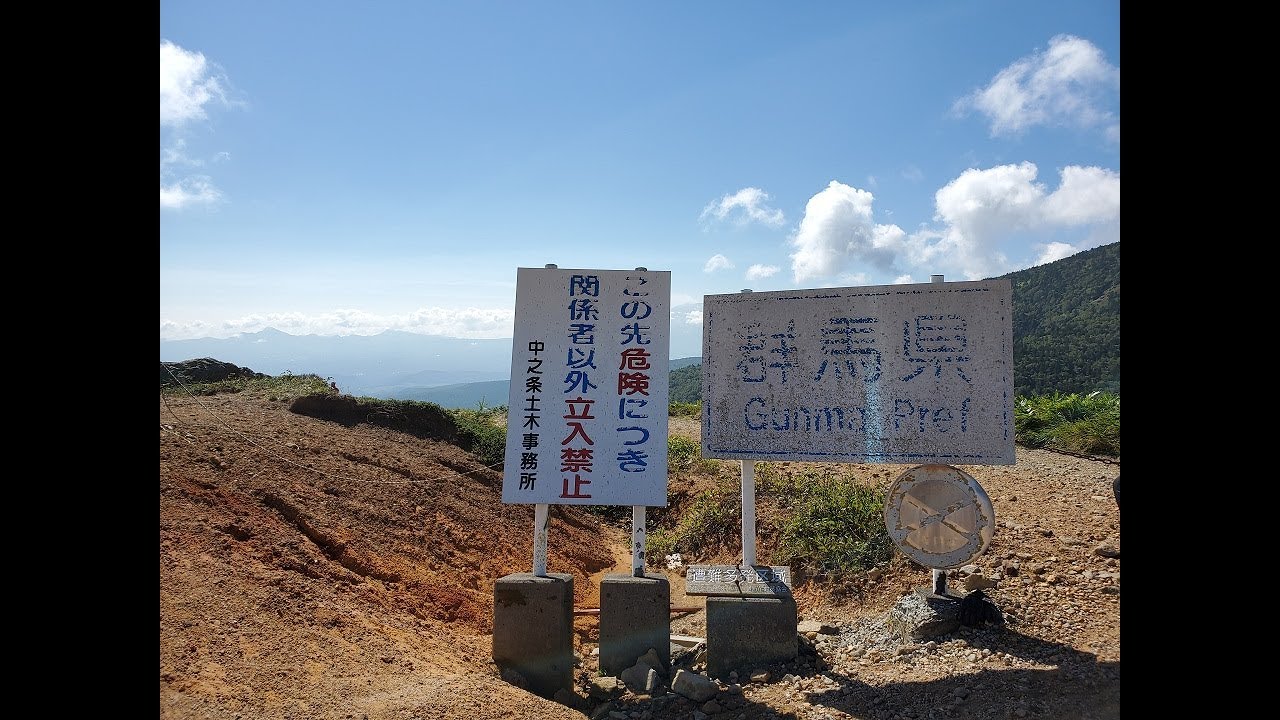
point(1055, 251)
point(760, 272)
point(750, 201)
point(1086, 195)
point(188, 191)
point(984, 208)
point(176, 154)
point(1071, 84)
point(871, 182)
point(472, 323)
point(717, 262)
point(837, 229)
point(693, 318)
point(187, 85)
point(912, 173)
point(980, 215)
point(903, 280)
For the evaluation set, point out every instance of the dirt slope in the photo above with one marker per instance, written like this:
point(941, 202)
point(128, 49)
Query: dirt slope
point(314, 570)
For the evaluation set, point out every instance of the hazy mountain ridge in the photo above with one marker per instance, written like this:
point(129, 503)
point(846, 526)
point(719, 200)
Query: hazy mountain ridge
point(494, 392)
point(489, 393)
point(372, 365)
point(458, 372)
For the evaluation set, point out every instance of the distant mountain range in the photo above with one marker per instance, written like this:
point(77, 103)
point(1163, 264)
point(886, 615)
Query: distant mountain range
point(490, 393)
point(369, 365)
point(1066, 329)
point(392, 364)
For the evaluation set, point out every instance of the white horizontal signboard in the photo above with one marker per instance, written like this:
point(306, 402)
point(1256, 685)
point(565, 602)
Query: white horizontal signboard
point(915, 374)
point(731, 580)
point(587, 416)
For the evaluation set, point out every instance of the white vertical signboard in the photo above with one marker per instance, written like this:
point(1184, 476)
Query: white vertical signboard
point(883, 374)
point(587, 415)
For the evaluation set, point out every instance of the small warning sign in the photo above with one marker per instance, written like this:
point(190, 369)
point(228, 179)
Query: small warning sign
point(738, 581)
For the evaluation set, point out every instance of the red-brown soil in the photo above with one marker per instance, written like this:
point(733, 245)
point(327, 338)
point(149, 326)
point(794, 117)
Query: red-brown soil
point(311, 569)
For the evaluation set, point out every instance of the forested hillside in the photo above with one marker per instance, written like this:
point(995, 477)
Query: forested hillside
point(1066, 324)
point(686, 384)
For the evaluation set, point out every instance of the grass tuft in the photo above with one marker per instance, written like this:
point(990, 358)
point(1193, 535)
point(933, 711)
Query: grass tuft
point(1088, 424)
point(712, 518)
point(284, 387)
point(836, 526)
point(679, 409)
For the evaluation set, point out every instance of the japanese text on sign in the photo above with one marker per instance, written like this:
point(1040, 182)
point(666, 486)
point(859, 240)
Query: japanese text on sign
point(588, 423)
point(892, 374)
point(736, 580)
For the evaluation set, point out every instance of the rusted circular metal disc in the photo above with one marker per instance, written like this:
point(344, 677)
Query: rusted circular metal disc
point(939, 516)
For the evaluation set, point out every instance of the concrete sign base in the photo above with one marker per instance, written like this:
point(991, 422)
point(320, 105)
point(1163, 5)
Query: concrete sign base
point(635, 615)
point(745, 634)
point(533, 629)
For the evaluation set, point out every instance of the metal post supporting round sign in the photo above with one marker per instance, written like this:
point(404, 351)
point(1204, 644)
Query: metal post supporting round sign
point(939, 516)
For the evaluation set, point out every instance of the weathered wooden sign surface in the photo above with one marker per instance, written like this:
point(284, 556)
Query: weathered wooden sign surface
point(735, 580)
point(883, 374)
point(587, 415)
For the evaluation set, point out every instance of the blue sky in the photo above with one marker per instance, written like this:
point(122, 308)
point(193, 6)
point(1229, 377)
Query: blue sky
point(347, 168)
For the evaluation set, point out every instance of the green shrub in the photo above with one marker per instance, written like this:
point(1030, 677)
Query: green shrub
point(771, 481)
point(1075, 423)
point(712, 518)
point(286, 386)
point(836, 525)
point(684, 409)
point(481, 433)
point(682, 453)
point(685, 455)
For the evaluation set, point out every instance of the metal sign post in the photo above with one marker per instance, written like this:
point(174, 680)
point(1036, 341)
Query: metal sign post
point(637, 540)
point(540, 540)
point(748, 513)
point(748, 507)
point(939, 576)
